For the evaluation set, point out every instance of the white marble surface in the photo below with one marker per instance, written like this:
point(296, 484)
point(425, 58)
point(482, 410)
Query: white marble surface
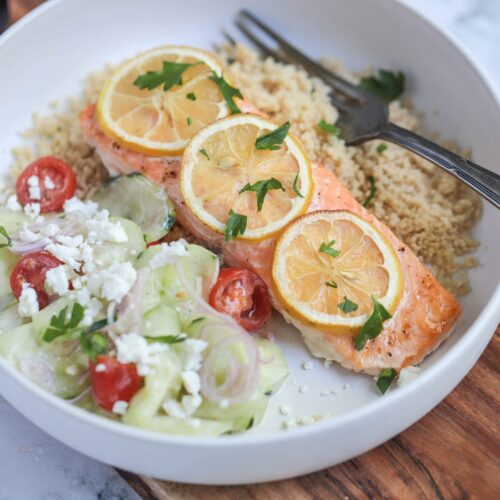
point(35, 466)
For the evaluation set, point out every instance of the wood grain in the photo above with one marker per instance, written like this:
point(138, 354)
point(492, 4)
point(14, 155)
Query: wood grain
point(452, 453)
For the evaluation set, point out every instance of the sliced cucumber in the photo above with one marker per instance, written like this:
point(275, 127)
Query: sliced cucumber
point(273, 368)
point(137, 198)
point(12, 221)
point(160, 321)
point(7, 262)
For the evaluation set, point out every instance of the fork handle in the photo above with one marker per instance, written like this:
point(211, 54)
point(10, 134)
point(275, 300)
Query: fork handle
point(483, 181)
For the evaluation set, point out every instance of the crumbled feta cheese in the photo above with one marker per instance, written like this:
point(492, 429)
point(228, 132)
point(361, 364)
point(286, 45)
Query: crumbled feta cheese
point(174, 409)
point(68, 255)
point(72, 370)
point(50, 230)
point(191, 381)
point(168, 253)
point(328, 363)
point(88, 208)
point(346, 386)
point(285, 410)
point(101, 367)
point(48, 183)
point(57, 280)
point(406, 375)
point(305, 420)
point(224, 403)
point(34, 188)
point(70, 241)
point(32, 210)
point(28, 236)
point(28, 302)
point(325, 393)
point(333, 392)
point(307, 365)
point(114, 282)
point(92, 311)
point(190, 403)
point(303, 388)
point(120, 407)
point(133, 348)
point(192, 350)
point(13, 204)
point(102, 229)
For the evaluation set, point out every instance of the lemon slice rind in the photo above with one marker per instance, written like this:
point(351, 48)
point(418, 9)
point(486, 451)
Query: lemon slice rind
point(190, 159)
point(337, 323)
point(144, 145)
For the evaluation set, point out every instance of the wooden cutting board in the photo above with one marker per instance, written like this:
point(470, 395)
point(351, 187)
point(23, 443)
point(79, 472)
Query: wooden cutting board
point(453, 452)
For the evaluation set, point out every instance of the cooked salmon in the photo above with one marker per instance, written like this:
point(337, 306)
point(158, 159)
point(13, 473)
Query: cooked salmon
point(424, 317)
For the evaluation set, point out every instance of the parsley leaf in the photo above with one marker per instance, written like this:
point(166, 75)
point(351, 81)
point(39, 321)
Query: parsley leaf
point(330, 128)
point(374, 325)
point(236, 224)
point(204, 153)
point(94, 344)
point(191, 96)
point(59, 326)
point(385, 378)
point(261, 188)
point(348, 305)
point(169, 75)
point(327, 248)
point(189, 121)
point(331, 284)
point(274, 139)
point(228, 92)
point(167, 339)
point(296, 188)
point(250, 424)
point(381, 147)
point(5, 234)
point(373, 191)
point(387, 84)
point(196, 320)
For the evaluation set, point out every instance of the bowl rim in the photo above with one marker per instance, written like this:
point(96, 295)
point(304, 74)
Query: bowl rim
point(489, 313)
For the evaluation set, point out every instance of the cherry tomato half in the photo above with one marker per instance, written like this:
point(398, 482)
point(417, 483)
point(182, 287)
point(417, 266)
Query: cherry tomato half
point(113, 381)
point(56, 180)
point(243, 295)
point(32, 269)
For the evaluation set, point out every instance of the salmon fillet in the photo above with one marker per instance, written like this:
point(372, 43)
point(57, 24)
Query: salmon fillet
point(424, 317)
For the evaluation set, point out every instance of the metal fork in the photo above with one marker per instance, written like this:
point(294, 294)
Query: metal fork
point(365, 116)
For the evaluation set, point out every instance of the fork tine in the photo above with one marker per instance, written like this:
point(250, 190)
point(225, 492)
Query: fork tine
point(268, 52)
point(228, 38)
point(340, 85)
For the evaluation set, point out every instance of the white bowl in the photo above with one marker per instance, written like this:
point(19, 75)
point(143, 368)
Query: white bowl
point(47, 54)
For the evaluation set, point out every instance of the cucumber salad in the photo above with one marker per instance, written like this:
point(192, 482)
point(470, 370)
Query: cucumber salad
point(97, 309)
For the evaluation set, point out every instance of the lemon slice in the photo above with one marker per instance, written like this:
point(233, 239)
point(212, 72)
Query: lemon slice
point(223, 158)
point(160, 122)
point(332, 288)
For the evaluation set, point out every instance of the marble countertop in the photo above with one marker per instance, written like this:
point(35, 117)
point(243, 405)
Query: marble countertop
point(35, 466)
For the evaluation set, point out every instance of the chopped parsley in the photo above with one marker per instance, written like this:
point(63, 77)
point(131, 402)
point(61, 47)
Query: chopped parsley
point(168, 76)
point(260, 188)
point(5, 234)
point(94, 344)
point(59, 324)
point(204, 153)
point(189, 121)
point(196, 320)
point(374, 325)
point(296, 188)
point(268, 393)
point(191, 96)
point(228, 92)
point(373, 191)
point(348, 305)
point(274, 139)
point(328, 249)
point(381, 147)
point(331, 284)
point(167, 339)
point(236, 224)
point(386, 84)
point(385, 379)
point(330, 128)
point(250, 424)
